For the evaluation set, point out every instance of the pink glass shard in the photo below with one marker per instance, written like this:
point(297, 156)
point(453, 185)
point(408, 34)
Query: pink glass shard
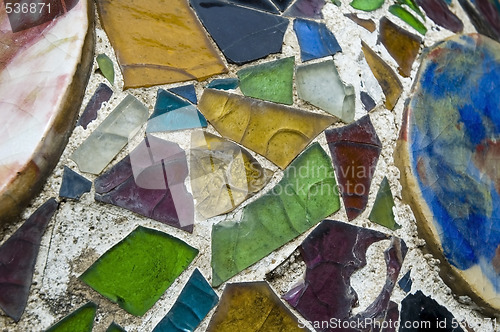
point(355, 150)
point(150, 182)
point(17, 260)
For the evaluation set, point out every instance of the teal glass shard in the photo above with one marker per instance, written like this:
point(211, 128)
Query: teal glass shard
point(224, 84)
point(306, 194)
point(186, 91)
point(173, 113)
point(80, 320)
point(315, 40)
point(382, 208)
point(193, 304)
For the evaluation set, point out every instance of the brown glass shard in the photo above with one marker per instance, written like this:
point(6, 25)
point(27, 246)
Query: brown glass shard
point(367, 24)
point(401, 45)
point(277, 132)
point(158, 42)
point(389, 82)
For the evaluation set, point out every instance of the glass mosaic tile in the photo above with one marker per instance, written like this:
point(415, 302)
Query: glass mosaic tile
point(81, 320)
point(367, 5)
point(315, 40)
point(101, 95)
point(368, 24)
point(367, 100)
point(412, 5)
point(138, 270)
point(73, 185)
point(484, 15)
point(408, 17)
point(187, 92)
point(115, 328)
point(438, 11)
point(106, 67)
point(306, 9)
point(382, 213)
point(405, 282)
point(224, 84)
point(282, 4)
point(265, 5)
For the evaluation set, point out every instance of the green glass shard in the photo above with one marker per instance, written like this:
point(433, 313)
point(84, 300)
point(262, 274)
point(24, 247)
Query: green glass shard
point(106, 66)
point(306, 194)
point(115, 328)
point(367, 5)
point(272, 81)
point(406, 16)
point(336, 3)
point(382, 208)
point(139, 269)
point(413, 6)
point(80, 320)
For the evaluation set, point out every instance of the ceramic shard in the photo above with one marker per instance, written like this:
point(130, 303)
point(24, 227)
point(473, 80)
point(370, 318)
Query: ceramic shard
point(265, 5)
point(277, 132)
point(406, 16)
point(73, 184)
point(101, 95)
point(224, 84)
point(223, 175)
point(271, 81)
point(484, 15)
point(252, 307)
point(320, 84)
point(367, 5)
point(173, 113)
point(382, 208)
point(401, 45)
point(424, 310)
point(106, 67)
point(138, 270)
point(17, 260)
point(306, 194)
point(115, 328)
point(355, 150)
point(242, 34)
point(448, 155)
point(154, 50)
point(187, 92)
point(97, 151)
point(282, 4)
point(367, 101)
point(315, 40)
point(368, 24)
point(438, 11)
point(81, 320)
point(150, 182)
point(193, 304)
point(405, 283)
point(332, 253)
point(388, 80)
point(306, 9)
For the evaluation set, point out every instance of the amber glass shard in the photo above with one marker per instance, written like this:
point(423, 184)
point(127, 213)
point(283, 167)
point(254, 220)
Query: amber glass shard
point(81, 320)
point(367, 5)
point(406, 16)
point(252, 307)
point(223, 175)
point(401, 45)
point(439, 12)
point(388, 80)
point(277, 132)
point(367, 24)
point(158, 42)
point(382, 208)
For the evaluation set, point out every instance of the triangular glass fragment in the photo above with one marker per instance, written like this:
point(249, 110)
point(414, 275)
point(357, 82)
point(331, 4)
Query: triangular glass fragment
point(282, 4)
point(405, 283)
point(186, 91)
point(367, 101)
point(80, 320)
point(315, 40)
point(73, 184)
point(367, 24)
point(382, 208)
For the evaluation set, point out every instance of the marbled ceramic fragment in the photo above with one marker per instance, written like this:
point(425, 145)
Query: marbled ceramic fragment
point(306, 9)
point(271, 81)
point(106, 67)
point(315, 40)
point(367, 101)
point(448, 155)
point(138, 270)
point(101, 95)
point(367, 5)
point(401, 45)
point(418, 308)
point(223, 175)
point(406, 16)
point(332, 253)
point(80, 320)
point(277, 132)
point(187, 92)
point(195, 301)
point(355, 150)
point(405, 283)
point(173, 113)
point(368, 24)
point(282, 4)
point(150, 182)
point(17, 260)
point(484, 15)
point(242, 34)
point(115, 328)
point(224, 84)
point(388, 80)
point(73, 184)
point(438, 11)
point(252, 307)
point(382, 213)
point(306, 194)
point(320, 84)
point(155, 50)
point(97, 151)
point(265, 5)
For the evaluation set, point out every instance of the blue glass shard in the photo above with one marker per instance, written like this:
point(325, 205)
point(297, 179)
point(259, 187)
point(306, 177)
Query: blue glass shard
point(73, 184)
point(367, 101)
point(315, 40)
point(224, 84)
point(173, 113)
point(186, 91)
point(405, 282)
point(193, 304)
point(282, 4)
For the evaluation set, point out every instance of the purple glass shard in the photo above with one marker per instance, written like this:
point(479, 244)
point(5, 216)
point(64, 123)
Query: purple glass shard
point(306, 9)
point(439, 12)
point(368, 102)
point(17, 260)
point(332, 253)
point(150, 182)
point(102, 94)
